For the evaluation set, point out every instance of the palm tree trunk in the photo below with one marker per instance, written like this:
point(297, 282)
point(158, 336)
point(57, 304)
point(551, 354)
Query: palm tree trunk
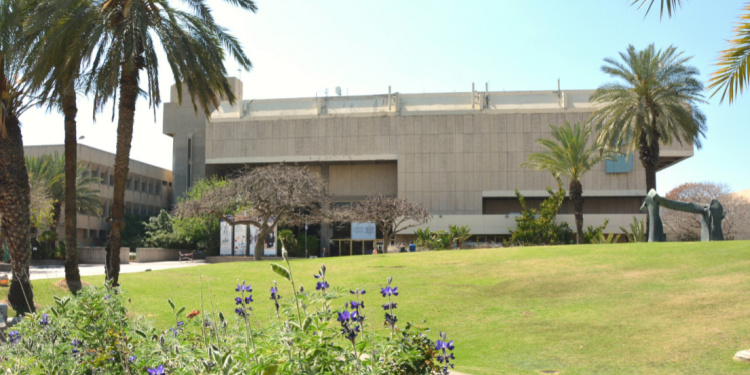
point(576, 195)
point(14, 210)
point(649, 155)
point(126, 108)
point(72, 275)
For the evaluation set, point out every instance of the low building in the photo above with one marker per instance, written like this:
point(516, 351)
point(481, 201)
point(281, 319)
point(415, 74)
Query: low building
point(457, 154)
point(149, 189)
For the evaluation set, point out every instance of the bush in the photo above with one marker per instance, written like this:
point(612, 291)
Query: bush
point(312, 333)
point(538, 227)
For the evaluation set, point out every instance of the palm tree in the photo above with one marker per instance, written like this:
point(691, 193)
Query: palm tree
point(568, 154)
point(655, 101)
point(120, 38)
point(733, 64)
point(50, 170)
point(14, 181)
point(461, 234)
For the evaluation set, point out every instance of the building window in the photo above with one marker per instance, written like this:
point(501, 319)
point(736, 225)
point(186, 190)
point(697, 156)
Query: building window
point(102, 233)
point(92, 233)
point(111, 180)
point(143, 186)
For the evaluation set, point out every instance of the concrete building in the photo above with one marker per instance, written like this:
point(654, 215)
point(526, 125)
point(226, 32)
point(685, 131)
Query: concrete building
point(457, 154)
point(149, 189)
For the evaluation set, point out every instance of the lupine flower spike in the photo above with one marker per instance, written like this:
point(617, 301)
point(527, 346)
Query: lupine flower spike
point(242, 301)
point(443, 346)
point(388, 291)
point(156, 371)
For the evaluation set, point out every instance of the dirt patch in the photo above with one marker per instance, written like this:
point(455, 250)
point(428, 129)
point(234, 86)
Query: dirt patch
point(62, 284)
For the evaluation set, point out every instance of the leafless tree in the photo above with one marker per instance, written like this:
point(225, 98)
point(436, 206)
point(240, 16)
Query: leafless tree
point(286, 194)
point(391, 214)
point(686, 226)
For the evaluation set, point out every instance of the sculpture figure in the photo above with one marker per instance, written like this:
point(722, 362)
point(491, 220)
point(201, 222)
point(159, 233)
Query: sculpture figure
point(711, 216)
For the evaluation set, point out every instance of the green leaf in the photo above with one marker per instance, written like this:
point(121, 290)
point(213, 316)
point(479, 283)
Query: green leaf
point(306, 323)
point(283, 272)
point(270, 370)
point(140, 333)
point(171, 303)
point(181, 310)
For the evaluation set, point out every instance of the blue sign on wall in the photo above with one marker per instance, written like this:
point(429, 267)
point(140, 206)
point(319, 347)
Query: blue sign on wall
point(623, 164)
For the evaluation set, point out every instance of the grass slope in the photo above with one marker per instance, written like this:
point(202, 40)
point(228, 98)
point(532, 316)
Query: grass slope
point(594, 309)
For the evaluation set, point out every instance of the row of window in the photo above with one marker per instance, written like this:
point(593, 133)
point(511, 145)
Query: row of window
point(132, 208)
point(93, 233)
point(135, 182)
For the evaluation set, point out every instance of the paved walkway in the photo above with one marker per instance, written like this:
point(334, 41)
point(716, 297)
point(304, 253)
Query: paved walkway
point(58, 272)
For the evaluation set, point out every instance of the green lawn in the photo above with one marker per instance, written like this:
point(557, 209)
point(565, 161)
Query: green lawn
point(593, 309)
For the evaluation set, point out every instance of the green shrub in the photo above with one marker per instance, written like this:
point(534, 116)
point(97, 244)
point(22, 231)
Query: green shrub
point(637, 232)
point(312, 332)
point(538, 227)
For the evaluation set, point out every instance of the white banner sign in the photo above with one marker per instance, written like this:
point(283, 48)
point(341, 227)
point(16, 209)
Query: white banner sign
point(240, 239)
point(225, 246)
point(270, 246)
point(363, 231)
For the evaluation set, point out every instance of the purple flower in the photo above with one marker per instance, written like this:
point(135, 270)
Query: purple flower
point(76, 342)
point(388, 291)
point(14, 337)
point(274, 293)
point(45, 320)
point(238, 300)
point(344, 316)
point(443, 346)
point(389, 306)
point(242, 287)
point(132, 358)
point(322, 285)
point(156, 371)
point(354, 304)
point(180, 323)
point(248, 299)
point(317, 276)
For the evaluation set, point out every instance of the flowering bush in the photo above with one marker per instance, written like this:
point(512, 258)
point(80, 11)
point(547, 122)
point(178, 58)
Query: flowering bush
point(312, 333)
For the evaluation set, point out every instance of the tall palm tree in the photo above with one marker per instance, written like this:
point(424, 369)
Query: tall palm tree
point(194, 46)
point(733, 64)
point(569, 154)
point(14, 181)
point(53, 69)
point(655, 101)
point(119, 38)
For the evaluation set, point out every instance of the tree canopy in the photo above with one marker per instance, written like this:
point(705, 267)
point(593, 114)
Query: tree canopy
point(391, 214)
point(264, 197)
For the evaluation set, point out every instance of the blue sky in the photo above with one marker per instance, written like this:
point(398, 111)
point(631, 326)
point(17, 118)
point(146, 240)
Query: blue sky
point(300, 48)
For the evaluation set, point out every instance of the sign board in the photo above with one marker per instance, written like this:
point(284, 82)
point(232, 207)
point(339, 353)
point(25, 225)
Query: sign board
point(363, 231)
point(270, 246)
point(225, 244)
point(240, 239)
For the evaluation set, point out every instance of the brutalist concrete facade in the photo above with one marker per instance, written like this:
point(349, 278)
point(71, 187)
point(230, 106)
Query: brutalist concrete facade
point(458, 154)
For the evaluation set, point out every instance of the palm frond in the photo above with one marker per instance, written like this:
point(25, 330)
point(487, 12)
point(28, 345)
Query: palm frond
point(669, 5)
point(732, 74)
